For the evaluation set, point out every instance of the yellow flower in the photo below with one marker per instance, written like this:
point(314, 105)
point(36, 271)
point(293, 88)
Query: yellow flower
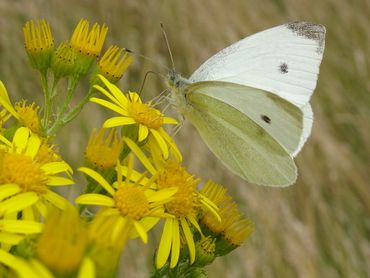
point(26, 115)
point(63, 242)
point(233, 227)
point(25, 181)
point(133, 200)
point(39, 43)
point(133, 112)
point(88, 42)
point(114, 63)
point(13, 231)
point(103, 151)
point(33, 268)
point(105, 243)
point(185, 205)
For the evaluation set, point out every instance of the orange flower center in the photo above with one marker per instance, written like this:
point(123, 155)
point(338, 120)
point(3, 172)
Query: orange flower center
point(146, 115)
point(185, 200)
point(20, 169)
point(131, 202)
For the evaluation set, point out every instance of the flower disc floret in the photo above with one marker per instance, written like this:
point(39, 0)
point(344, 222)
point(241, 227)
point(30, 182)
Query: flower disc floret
point(20, 169)
point(131, 202)
point(185, 201)
point(146, 115)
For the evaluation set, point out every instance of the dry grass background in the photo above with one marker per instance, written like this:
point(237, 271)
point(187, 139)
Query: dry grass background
point(320, 227)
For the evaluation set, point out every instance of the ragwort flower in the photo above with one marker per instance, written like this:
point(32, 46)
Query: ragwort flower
point(134, 112)
point(25, 114)
point(26, 175)
point(134, 200)
point(184, 206)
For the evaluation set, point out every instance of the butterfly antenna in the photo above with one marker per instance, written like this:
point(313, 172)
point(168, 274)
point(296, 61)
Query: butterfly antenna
point(147, 58)
point(168, 46)
point(145, 77)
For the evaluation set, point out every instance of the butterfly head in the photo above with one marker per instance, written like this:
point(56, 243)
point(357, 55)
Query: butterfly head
point(176, 81)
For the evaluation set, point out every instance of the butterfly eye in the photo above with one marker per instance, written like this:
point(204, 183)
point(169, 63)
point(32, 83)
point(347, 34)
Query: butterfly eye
point(177, 83)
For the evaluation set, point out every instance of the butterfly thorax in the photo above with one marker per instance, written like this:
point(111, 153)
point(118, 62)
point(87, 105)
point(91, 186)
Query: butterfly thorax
point(178, 85)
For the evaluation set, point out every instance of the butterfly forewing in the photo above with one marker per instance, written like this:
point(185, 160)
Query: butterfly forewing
point(243, 145)
point(283, 60)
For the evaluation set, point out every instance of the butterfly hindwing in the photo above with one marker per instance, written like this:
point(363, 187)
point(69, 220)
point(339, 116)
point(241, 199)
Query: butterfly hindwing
point(244, 146)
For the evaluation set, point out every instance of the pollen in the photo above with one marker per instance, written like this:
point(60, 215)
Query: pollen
point(131, 202)
point(103, 151)
point(185, 201)
point(28, 115)
point(146, 115)
point(20, 169)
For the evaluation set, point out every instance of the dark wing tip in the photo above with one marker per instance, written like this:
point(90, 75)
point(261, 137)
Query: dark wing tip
point(309, 30)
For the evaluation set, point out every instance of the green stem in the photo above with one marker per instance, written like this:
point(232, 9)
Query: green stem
point(59, 121)
point(45, 88)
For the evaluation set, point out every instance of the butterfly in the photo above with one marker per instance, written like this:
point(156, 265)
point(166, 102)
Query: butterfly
point(250, 101)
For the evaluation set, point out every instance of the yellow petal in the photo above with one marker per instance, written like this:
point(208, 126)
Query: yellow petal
point(116, 92)
point(135, 175)
point(55, 199)
point(41, 208)
point(110, 106)
point(56, 167)
point(141, 231)
point(5, 141)
point(40, 270)
point(10, 238)
point(108, 95)
point(7, 190)
point(87, 269)
point(165, 244)
point(5, 101)
point(175, 250)
point(167, 120)
point(162, 195)
point(118, 121)
point(147, 223)
point(95, 199)
point(20, 139)
point(20, 226)
point(18, 202)
point(33, 145)
point(194, 222)
point(27, 214)
point(140, 155)
point(161, 143)
point(189, 239)
point(171, 143)
point(59, 181)
point(98, 178)
point(143, 132)
point(211, 207)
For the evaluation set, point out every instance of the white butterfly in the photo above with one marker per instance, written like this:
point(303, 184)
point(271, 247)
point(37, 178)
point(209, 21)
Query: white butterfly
point(250, 101)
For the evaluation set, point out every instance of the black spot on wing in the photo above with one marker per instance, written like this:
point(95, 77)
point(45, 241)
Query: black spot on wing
point(266, 119)
point(283, 68)
point(310, 31)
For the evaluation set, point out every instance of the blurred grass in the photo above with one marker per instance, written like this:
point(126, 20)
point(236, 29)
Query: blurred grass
point(319, 227)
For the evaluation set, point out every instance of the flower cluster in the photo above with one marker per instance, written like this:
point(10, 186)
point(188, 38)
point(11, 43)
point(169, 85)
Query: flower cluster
point(42, 233)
